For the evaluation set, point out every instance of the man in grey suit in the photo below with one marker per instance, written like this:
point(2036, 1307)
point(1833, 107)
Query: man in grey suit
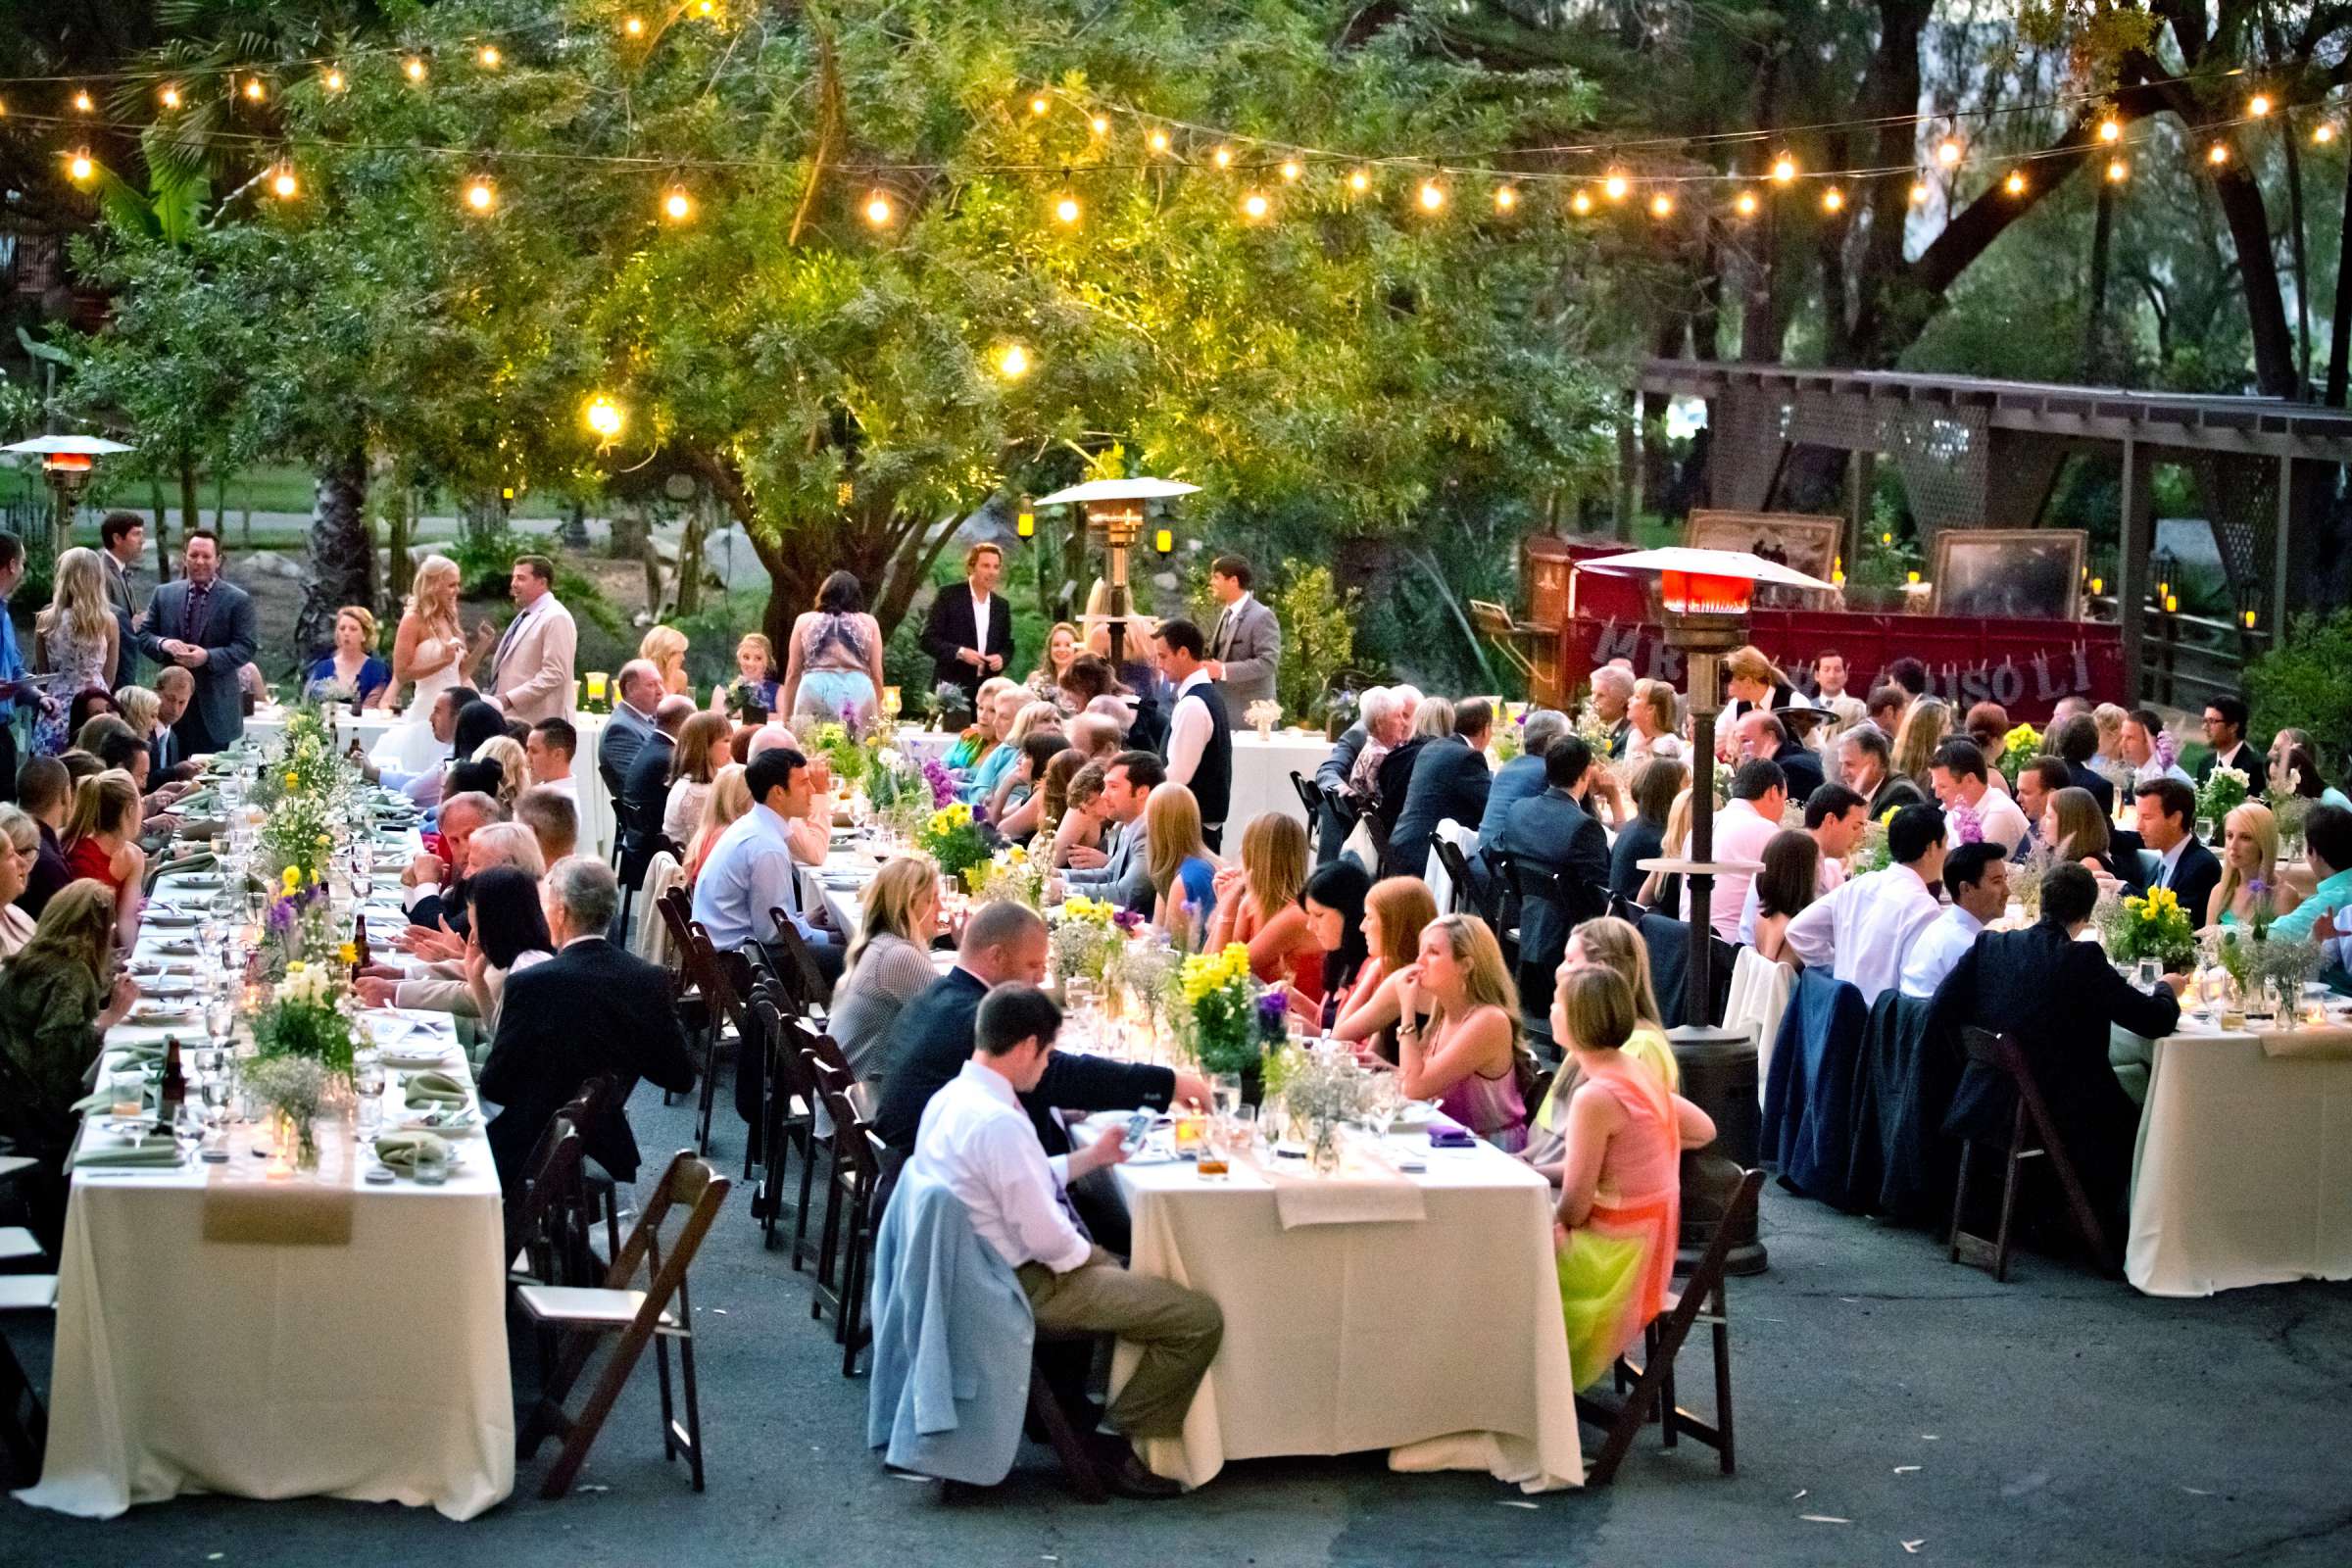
point(639, 685)
point(121, 537)
point(1244, 652)
point(205, 625)
point(1125, 879)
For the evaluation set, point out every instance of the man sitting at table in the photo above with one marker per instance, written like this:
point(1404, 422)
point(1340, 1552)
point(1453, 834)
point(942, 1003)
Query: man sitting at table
point(1125, 876)
point(45, 792)
point(639, 685)
point(592, 1009)
point(646, 789)
point(424, 789)
point(754, 867)
point(548, 754)
point(438, 983)
point(1865, 761)
point(1976, 877)
point(1963, 782)
point(976, 1141)
point(553, 817)
point(1521, 778)
point(1450, 779)
point(2058, 999)
point(433, 882)
point(1864, 931)
point(175, 689)
point(2167, 810)
point(1005, 943)
point(1554, 832)
point(2327, 847)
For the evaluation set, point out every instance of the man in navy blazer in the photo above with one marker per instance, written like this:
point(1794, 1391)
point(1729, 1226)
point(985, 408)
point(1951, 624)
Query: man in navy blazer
point(968, 633)
point(1552, 832)
point(1450, 778)
point(205, 625)
point(2167, 822)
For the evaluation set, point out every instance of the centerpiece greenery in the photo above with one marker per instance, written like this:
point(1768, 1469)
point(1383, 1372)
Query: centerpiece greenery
point(1220, 1016)
point(2223, 791)
point(304, 1018)
point(2018, 747)
point(953, 840)
point(1011, 875)
point(295, 1088)
point(2152, 925)
point(1084, 938)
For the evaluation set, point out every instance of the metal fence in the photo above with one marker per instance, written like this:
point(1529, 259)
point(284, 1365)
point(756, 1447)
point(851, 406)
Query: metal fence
point(2185, 660)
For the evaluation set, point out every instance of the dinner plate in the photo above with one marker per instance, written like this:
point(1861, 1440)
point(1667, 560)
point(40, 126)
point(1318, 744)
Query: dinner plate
point(170, 915)
point(177, 946)
point(159, 1012)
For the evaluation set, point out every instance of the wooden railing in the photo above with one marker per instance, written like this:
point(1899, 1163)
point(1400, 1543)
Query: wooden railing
point(2186, 660)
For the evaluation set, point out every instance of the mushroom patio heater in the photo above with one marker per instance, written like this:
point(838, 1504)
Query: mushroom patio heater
point(1705, 595)
point(1115, 511)
point(66, 463)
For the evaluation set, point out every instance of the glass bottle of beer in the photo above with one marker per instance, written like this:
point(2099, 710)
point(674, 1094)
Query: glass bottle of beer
point(173, 1093)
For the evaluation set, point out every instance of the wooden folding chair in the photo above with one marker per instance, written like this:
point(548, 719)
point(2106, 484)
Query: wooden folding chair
point(797, 968)
point(1662, 1340)
point(1052, 1418)
point(2032, 1135)
point(1464, 898)
point(658, 1312)
point(546, 1218)
point(676, 908)
point(845, 1189)
point(790, 1118)
point(856, 1179)
point(721, 980)
point(24, 1422)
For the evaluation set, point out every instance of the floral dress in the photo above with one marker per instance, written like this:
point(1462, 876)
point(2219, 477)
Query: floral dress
point(83, 666)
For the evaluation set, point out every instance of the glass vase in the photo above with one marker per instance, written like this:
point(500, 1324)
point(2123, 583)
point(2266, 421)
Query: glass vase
point(1325, 1150)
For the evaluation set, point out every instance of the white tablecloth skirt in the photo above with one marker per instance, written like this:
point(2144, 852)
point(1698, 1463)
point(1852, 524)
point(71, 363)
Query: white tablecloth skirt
point(1440, 1340)
point(2244, 1169)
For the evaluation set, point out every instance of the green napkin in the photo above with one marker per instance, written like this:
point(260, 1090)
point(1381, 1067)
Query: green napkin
point(156, 1154)
point(196, 800)
point(201, 860)
point(99, 1100)
point(398, 1150)
point(136, 1052)
point(426, 1088)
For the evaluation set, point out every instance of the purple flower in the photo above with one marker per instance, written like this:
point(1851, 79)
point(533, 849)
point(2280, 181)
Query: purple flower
point(1126, 919)
point(2257, 887)
point(2165, 748)
point(942, 782)
point(1967, 827)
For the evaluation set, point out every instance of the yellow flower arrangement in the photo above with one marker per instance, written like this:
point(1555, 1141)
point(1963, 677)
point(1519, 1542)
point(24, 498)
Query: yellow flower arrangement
point(292, 880)
point(349, 953)
point(2153, 925)
point(291, 780)
point(1204, 972)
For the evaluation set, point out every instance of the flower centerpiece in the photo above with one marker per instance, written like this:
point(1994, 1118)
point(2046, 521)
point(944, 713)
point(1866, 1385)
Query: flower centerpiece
point(1009, 875)
point(1084, 938)
point(1873, 854)
point(2282, 969)
point(1967, 827)
point(2152, 925)
point(1321, 1091)
point(1723, 782)
point(2018, 747)
point(295, 1088)
point(1510, 739)
point(1597, 732)
point(1220, 1010)
point(304, 1018)
point(843, 751)
point(1262, 716)
point(297, 839)
point(2289, 807)
point(2223, 791)
point(953, 839)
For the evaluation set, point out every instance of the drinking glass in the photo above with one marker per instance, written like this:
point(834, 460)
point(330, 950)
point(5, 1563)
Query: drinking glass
point(1246, 1128)
point(368, 1084)
point(432, 1164)
point(1225, 1088)
point(130, 1086)
point(219, 1082)
point(2148, 975)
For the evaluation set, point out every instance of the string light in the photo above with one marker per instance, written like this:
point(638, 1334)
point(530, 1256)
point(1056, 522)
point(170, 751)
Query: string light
point(2259, 105)
point(1784, 169)
point(481, 196)
point(1291, 168)
point(1012, 362)
point(1100, 124)
point(82, 103)
point(1359, 183)
point(1222, 158)
point(80, 169)
point(1582, 203)
point(1661, 205)
point(490, 58)
point(1065, 210)
point(878, 210)
point(1745, 204)
point(1919, 193)
point(1159, 141)
point(1615, 187)
point(1505, 198)
point(1433, 196)
point(2218, 154)
point(414, 67)
point(283, 185)
point(2118, 171)
point(2322, 133)
point(1833, 200)
point(170, 97)
point(2111, 132)
point(333, 82)
point(678, 204)
point(1255, 206)
point(1038, 103)
point(604, 416)
point(1950, 153)
point(255, 92)
point(634, 27)
point(2015, 185)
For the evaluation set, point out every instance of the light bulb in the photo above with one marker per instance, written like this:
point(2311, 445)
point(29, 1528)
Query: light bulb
point(1359, 183)
point(1615, 187)
point(2111, 130)
point(1505, 198)
point(1038, 103)
point(878, 210)
point(634, 27)
point(80, 167)
point(2118, 171)
point(333, 82)
point(1833, 200)
point(1012, 362)
point(1661, 206)
point(1222, 158)
point(81, 102)
point(1066, 210)
point(1919, 192)
point(1291, 168)
point(1784, 169)
point(1100, 124)
point(1950, 153)
point(170, 97)
point(2015, 185)
point(1254, 206)
point(2259, 105)
point(604, 416)
point(1579, 204)
point(677, 205)
point(1160, 141)
point(2218, 154)
point(481, 195)
point(1745, 204)
point(490, 58)
point(414, 67)
point(1433, 196)
point(255, 92)
point(2322, 133)
point(284, 185)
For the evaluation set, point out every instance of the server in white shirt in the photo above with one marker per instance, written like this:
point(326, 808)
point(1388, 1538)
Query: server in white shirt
point(1864, 931)
point(1963, 781)
point(977, 1141)
point(1200, 732)
point(1977, 878)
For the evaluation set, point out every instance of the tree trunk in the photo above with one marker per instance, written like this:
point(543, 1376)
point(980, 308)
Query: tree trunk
point(2339, 319)
point(630, 531)
point(691, 535)
point(2258, 278)
point(342, 568)
point(2095, 315)
point(2294, 228)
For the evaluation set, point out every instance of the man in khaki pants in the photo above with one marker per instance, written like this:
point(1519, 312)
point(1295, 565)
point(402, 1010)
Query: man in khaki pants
point(977, 1141)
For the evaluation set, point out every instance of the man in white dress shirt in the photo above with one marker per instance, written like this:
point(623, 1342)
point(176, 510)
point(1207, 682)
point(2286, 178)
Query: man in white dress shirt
point(1962, 781)
point(1977, 876)
point(548, 752)
point(1864, 931)
point(1200, 732)
point(977, 1141)
point(2137, 743)
point(1759, 794)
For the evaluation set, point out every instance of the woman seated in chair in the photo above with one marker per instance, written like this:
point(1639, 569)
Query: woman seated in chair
point(1786, 885)
point(1458, 1038)
point(701, 750)
point(1620, 1209)
point(1024, 798)
point(507, 931)
point(1259, 904)
point(2249, 868)
point(2076, 830)
point(889, 963)
point(59, 996)
point(1608, 942)
point(1334, 902)
point(1182, 874)
point(1397, 910)
point(730, 798)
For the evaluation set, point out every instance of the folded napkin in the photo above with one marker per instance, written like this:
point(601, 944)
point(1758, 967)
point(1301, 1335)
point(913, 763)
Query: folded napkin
point(435, 1087)
point(1363, 1191)
point(156, 1154)
point(2311, 1042)
point(99, 1100)
point(136, 1052)
point(398, 1150)
point(186, 864)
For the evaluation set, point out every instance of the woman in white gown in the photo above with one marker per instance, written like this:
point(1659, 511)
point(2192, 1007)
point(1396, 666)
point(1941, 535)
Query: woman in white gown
point(429, 649)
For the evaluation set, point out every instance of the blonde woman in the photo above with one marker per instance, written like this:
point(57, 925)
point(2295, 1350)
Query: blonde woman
point(1651, 712)
point(351, 671)
point(513, 768)
point(141, 710)
point(1397, 910)
point(20, 847)
point(1179, 863)
point(1062, 645)
point(664, 648)
point(729, 800)
point(1924, 729)
point(100, 842)
point(972, 746)
point(2249, 868)
point(1260, 906)
point(1752, 680)
point(756, 682)
point(431, 653)
point(1457, 1032)
point(1032, 717)
point(703, 748)
point(76, 637)
point(888, 964)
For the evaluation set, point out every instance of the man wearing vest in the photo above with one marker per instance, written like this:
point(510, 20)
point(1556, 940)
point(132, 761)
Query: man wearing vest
point(1200, 734)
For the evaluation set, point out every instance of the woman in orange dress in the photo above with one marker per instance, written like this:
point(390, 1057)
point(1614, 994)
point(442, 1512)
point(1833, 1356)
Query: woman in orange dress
point(1259, 904)
point(1397, 910)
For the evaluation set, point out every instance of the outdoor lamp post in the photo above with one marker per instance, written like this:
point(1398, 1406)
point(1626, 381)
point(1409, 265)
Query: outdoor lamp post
point(1706, 595)
point(1115, 515)
point(66, 463)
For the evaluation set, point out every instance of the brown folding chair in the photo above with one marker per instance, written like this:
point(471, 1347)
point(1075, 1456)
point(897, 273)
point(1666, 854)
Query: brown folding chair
point(851, 1220)
point(796, 966)
point(2032, 1135)
point(658, 1312)
point(1662, 1340)
point(676, 908)
point(845, 1188)
point(723, 979)
point(546, 1218)
point(24, 1422)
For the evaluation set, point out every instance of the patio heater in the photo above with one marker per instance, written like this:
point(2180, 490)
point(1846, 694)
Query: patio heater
point(66, 463)
point(1705, 595)
point(1115, 511)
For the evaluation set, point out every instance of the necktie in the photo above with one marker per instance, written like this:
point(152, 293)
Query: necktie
point(506, 643)
point(1225, 632)
point(192, 622)
point(1062, 1192)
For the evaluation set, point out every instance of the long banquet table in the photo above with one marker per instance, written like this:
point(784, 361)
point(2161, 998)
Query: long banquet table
point(2243, 1174)
point(1262, 767)
point(372, 1367)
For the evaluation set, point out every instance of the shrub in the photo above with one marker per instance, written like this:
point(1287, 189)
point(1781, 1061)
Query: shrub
point(1318, 637)
point(2300, 683)
point(486, 560)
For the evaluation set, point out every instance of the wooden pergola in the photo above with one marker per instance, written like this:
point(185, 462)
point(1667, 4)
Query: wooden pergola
point(1982, 454)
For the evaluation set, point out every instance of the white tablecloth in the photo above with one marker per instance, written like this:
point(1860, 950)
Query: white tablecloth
point(2244, 1169)
point(1440, 1340)
point(595, 805)
point(375, 1370)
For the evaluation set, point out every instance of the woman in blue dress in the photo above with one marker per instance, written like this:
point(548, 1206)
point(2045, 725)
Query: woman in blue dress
point(352, 673)
point(1180, 865)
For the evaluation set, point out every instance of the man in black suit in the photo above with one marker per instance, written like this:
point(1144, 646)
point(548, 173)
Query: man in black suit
point(1866, 760)
point(968, 633)
point(932, 1039)
point(2225, 732)
point(1450, 779)
point(631, 721)
point(2057, 997)
point(2167, 821)
point(1765, 736)
point(592, 1009)
point(2077, 742)
point(645, 790)
point(1552, 832)
point(206, 624)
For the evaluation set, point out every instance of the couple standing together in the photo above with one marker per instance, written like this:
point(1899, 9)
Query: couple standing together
point(530, 674)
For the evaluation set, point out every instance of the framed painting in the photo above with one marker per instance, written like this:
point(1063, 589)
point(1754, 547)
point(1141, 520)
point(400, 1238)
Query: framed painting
point(1805, 541)
point(2011, 573)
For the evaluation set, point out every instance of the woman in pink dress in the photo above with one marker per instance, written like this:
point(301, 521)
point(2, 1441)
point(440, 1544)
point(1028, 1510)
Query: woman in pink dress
point(1457, 1032)
point(1621, 1195)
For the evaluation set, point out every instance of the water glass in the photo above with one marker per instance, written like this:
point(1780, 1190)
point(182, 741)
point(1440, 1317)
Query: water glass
point(1225, 1088)
point(368, 1085)
point(432, 1164)
point(1246, 1128)
point(130, 1086)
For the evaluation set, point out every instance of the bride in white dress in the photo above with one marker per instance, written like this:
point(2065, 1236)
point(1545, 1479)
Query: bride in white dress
point(430, 650)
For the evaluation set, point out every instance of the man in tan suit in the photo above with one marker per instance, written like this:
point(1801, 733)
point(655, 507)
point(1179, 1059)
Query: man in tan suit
point(531, 675)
